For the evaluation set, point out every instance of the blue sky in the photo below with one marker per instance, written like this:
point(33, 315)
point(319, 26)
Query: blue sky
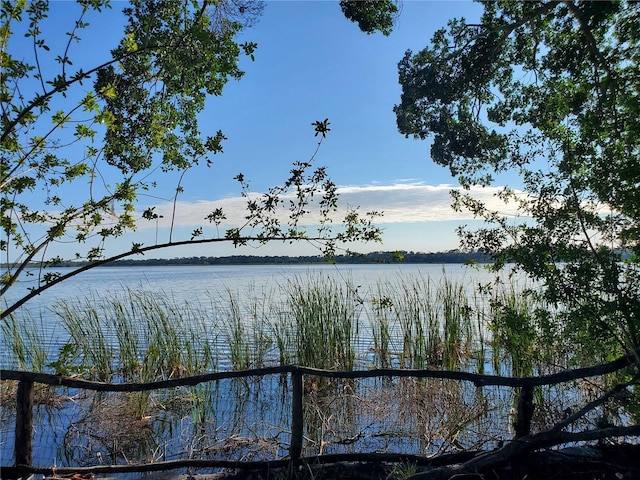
point(311, 64)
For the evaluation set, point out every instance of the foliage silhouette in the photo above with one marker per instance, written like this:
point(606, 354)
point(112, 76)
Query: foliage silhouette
point(75, 161)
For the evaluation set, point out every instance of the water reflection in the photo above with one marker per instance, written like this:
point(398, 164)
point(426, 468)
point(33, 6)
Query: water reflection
point(250, 419)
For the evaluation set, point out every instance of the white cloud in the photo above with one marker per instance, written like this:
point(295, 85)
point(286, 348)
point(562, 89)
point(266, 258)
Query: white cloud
point(400, 203)
point(415, 202)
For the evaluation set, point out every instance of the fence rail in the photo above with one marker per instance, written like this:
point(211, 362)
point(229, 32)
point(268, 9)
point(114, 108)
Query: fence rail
point(25, 398)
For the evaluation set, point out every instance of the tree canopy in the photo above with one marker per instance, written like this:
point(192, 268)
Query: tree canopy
point(371, 15)
point(548, 90)
point(82, 139)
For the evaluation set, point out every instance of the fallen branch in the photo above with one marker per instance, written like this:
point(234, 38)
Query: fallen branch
point(520, 446)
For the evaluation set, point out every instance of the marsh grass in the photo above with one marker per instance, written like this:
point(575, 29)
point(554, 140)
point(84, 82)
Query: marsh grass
point(281, 326)
point(382, 308)
point(138, 336)
point(411, 322)
point(316, 321)
point(402, 471)
point(246, 327)
point(83, 322)
point(457, 328)
point(322, 317)
point(27, 346)
point(478, 326)
point(419, 342)
point(418, 322)
point(202, 397)
point(25, 343)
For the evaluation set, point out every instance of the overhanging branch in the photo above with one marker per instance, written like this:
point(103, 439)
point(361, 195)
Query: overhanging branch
point(141, 250)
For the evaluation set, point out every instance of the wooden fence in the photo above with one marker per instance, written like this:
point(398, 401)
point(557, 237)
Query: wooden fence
point(25, 398)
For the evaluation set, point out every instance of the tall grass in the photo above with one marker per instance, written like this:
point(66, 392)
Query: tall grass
point(245, 327)
point(26, 346)
point(382, 307)
point(478, 327)
point(316, 321)
point(89, 336)
point(322, 317)
point(25, 343)
point(413, 322)
point(139, 336)
point(418, 322)
point(457, 328)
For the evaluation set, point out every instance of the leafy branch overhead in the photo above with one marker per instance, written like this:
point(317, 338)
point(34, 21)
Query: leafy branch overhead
point(305, 191)
point(371, 15)
point(60, 136)
point(82, 144)
point(548, 91)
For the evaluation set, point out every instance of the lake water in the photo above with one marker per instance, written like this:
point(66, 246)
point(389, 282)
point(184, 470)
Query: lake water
point(197, 285)
point(235, 419)
point(190, 282)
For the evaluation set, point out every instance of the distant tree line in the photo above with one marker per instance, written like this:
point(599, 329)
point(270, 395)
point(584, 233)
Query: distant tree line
point(451, 256)
point(399, 256)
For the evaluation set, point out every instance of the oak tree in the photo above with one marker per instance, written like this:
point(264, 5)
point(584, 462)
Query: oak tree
point(549, 91)
point(546, 95)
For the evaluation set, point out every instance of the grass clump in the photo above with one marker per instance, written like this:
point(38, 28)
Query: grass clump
point(419, 323)
point(25, 343)
point(322, 318)
point(26, 347)
point(138, 336)
point(245, 327)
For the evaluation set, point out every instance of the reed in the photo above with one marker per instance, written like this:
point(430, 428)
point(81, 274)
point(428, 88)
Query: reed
point(128, 334)
point(260, 311)
point(413, 322)
point(323, 315)
point(246, 328)
point(281, 327)
point(89, 336)
point(203, 398)
point(457, 331)
point(236, 336)
point(381, 328)
point(26, 347)
point(421, 322)
point(25, 343)
point(165, 325)
point(138, 336)
point(479, 328)
point(411, 312)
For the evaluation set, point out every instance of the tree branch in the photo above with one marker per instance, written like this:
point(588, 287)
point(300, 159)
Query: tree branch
point(42, 99)
point(593, 404)
point(523, 445)
point(37, 291)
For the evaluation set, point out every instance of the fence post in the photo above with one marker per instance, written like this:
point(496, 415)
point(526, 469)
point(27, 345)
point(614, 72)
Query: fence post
point(297, 421)
point(525, 411)
point(24, 423)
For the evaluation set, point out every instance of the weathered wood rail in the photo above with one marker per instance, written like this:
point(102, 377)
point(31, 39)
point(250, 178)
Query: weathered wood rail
point(25, 397)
